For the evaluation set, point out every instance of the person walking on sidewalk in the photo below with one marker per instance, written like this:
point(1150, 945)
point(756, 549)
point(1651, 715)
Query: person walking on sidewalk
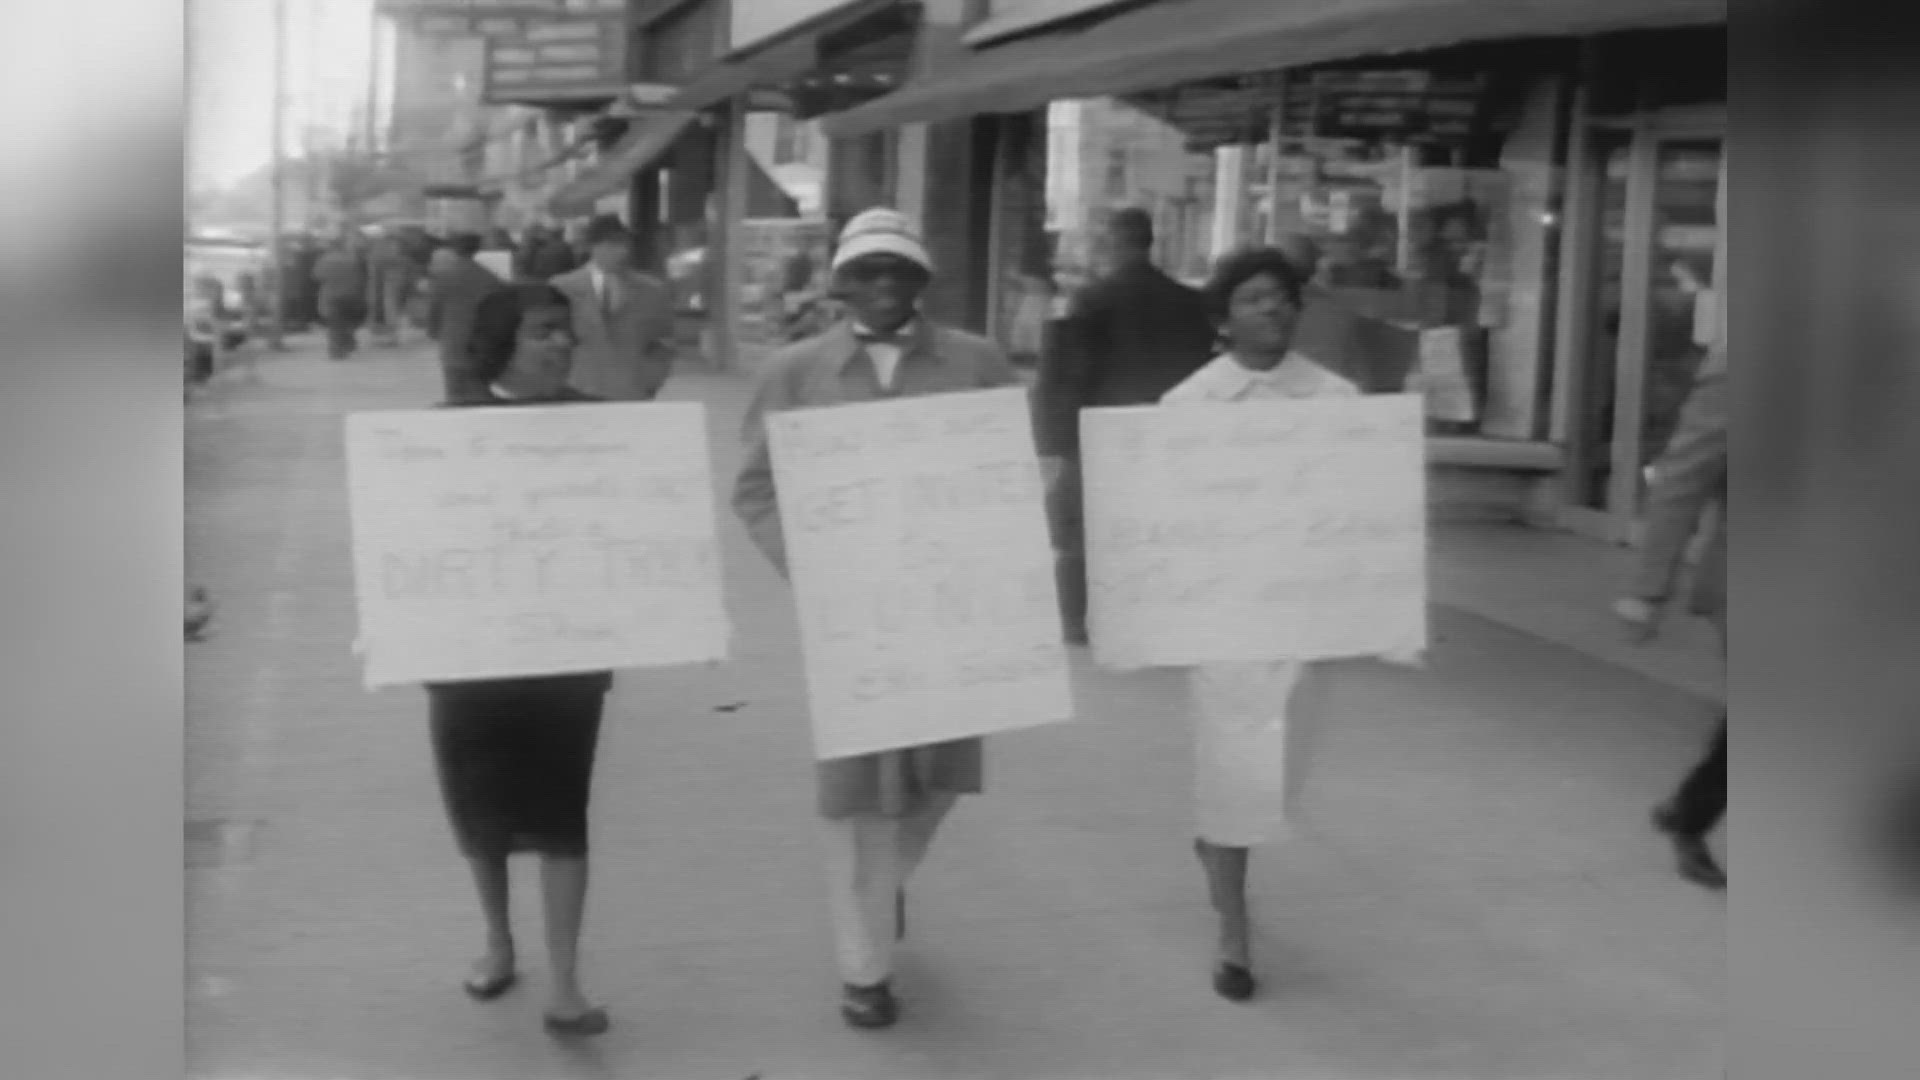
point(879, 812)
point(1250, 721)
point(622, 317)
point(342, 276)
point(1127, 339)
point(515, 756)
point(392, 281)
point(459, 284)
point(1687, 493)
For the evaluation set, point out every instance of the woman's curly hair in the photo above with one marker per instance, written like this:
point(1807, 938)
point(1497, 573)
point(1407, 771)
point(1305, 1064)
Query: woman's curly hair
point(1240, 267)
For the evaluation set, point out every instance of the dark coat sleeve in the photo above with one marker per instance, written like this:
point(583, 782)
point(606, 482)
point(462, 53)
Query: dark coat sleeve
point(1064, 383)
point(755, 501)
point(1687, 480)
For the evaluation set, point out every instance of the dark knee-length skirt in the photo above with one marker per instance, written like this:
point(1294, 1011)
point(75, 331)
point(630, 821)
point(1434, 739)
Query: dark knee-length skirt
point(515, 758)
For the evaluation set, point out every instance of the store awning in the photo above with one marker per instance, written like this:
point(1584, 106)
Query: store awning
point(647, 139)
point(1175, 41)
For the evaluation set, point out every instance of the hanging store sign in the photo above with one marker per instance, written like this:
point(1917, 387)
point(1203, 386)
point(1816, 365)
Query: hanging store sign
point(558, 59)
point(1407, 106)
point(1225, 112)
point(1395, 106)
point(492, 18)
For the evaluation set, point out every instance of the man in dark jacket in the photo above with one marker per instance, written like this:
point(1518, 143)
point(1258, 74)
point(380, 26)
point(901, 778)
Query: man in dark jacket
point(1126, 340)
point(459, 284)
point(342, 274)
point(547, 255)
point(1687, 492)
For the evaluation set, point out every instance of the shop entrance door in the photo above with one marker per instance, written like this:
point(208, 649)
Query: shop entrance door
point(1651, 205)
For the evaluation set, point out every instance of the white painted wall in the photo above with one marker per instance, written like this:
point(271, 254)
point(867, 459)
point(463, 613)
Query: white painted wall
point(755, 21)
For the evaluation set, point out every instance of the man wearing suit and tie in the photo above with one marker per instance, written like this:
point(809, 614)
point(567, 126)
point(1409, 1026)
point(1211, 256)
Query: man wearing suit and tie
point(622, 320)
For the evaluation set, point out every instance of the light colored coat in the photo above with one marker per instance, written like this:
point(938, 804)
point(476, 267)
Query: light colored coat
point(1689, 480)
point(1253, 724)
point(628, 354)
point(834, 369)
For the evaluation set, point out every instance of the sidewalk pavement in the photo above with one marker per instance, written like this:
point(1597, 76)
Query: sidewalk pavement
point(1477, 895)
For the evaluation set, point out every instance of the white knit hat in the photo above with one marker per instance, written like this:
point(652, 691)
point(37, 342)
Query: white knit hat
point(881, 231)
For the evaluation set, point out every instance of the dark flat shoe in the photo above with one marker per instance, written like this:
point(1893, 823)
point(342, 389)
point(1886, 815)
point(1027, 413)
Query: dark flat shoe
point(1235, 983)
point(489, 989)
point(870, 1007)
point(592, 1022)
point(1692, 857)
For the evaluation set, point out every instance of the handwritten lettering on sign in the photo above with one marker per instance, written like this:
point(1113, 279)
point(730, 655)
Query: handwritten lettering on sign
point(491, 543)
point(1255, 531)
point(918, 548)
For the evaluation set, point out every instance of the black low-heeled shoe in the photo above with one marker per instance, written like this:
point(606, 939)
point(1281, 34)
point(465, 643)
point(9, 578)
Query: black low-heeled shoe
point(870, 1007)
point(1691, 855)
point(592, 1022)
point(1234, 982)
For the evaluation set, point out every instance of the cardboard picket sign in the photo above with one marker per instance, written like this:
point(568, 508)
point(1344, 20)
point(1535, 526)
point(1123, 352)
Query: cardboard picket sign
point(536, 540)
point(1256, 531)
point(917, 545)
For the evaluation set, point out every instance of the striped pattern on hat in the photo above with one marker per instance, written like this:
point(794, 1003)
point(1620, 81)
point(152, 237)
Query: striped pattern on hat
point(881, 231)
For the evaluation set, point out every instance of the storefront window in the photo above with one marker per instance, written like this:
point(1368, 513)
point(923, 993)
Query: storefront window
point(1103, 155)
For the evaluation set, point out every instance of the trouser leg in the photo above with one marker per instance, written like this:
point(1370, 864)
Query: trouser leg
point(1702, 797)
point(863, 876)
point(1066, 521)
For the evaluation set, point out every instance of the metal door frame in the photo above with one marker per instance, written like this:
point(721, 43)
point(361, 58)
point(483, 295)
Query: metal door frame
point(1620, 522)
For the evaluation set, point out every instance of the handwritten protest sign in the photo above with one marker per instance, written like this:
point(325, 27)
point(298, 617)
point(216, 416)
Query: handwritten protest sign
point(490, 543)
point(922, 569)
point(1255, 531)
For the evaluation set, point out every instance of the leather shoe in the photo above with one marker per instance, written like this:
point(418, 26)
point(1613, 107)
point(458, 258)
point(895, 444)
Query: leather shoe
point(1692, 857)
point(1235, 983)
point(870, 1007)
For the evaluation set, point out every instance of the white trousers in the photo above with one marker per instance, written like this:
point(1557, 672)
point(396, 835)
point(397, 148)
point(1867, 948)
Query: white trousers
point(869, 860)
point(1254, 730)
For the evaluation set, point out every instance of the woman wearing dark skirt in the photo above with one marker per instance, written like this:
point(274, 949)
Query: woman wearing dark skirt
point(515, 756)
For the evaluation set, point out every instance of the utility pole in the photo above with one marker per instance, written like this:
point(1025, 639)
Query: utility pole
point(373, 81)
point(277, 324)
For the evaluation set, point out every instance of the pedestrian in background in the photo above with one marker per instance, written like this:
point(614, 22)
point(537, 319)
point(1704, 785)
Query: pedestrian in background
point(1252, 722)
point(622, 317)
point(1686, 497)
point(1127, 339)
point(546, 255)
point(342, 276)
point(392, 274)
point(458, 287)
point(515, 756)
point(879, 812)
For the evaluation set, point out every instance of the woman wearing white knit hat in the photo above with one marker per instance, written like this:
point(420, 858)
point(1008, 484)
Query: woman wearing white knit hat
point(879, 811)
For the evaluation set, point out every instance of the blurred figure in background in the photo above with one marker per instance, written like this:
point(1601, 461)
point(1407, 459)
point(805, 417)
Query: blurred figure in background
point(546, 255)
point(459, 284)
point(298, 289)
point(391, 274)
point(623, 319)
point(1127, 339)
point(342, 277)
point(1686, 495)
